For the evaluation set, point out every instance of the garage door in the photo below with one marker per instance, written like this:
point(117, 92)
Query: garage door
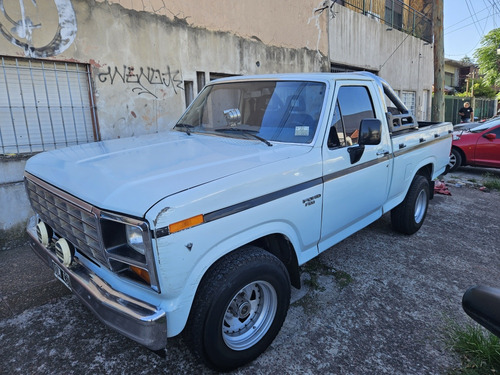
point(44, 105)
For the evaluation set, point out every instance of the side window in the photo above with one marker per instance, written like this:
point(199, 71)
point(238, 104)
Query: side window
point(336, 137)
point(497, 132)
point(353, 105)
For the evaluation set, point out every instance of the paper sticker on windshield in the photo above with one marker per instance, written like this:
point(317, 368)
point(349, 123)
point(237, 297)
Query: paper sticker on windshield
point(301, 131)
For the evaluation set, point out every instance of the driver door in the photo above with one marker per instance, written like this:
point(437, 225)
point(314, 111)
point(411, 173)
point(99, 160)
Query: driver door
point(488, 150)
point(353, 193)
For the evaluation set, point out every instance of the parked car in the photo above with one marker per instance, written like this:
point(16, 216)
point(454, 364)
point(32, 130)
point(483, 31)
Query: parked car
point(470, 125)
point(479, 146)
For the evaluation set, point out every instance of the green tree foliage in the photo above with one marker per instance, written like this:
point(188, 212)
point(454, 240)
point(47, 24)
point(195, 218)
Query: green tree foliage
point(466, 60)
point(481, 90)
point(487, 58)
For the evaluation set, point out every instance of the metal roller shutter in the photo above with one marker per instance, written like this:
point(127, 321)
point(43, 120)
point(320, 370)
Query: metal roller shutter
point(44, 105)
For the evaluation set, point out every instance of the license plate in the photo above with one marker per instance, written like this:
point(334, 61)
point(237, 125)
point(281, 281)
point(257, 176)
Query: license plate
point(61, 275)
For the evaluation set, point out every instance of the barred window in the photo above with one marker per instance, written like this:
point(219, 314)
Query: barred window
point(408, 98)
point(44, 105)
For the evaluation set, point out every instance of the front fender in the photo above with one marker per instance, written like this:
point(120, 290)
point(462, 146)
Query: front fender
point(185, 256)
point(181, 270)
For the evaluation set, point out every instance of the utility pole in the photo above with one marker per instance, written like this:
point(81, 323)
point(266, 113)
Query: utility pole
point(437, 31)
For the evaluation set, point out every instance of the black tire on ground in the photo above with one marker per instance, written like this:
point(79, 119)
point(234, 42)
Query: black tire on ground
point(409, 215)
point(455, 160)
point(239, 308)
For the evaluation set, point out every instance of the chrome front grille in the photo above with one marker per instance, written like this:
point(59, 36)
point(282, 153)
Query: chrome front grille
point(67, 216)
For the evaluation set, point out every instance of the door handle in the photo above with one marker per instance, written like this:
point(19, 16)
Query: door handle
point(382, 152)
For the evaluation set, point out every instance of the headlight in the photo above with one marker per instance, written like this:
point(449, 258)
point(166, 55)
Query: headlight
point(135, 239)
point(128, 248)
point(456, 137)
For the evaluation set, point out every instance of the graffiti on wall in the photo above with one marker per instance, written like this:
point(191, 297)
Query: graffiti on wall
point(20, 32)
point(144, 81)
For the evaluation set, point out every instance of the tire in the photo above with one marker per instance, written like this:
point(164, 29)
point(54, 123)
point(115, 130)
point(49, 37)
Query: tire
point(410, 214)
point(455, 160)
point(239, 308)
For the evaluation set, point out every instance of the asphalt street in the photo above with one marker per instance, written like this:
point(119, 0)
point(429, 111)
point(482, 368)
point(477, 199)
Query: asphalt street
point(377, 303)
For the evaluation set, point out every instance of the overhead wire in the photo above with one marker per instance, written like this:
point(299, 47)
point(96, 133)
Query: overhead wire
point(472, 15)
point(485, 23)
point(448, 31)
point(494, 5)
point(464, 26)
point(494, 10)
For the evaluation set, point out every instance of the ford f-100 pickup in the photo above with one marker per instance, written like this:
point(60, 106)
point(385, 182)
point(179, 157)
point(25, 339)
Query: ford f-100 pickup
point(202, 229)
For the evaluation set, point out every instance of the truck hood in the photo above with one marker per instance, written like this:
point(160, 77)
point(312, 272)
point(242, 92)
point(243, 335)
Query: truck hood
point(130, 175)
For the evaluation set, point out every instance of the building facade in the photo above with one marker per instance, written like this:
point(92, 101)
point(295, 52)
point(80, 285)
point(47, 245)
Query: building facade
point(77, 71)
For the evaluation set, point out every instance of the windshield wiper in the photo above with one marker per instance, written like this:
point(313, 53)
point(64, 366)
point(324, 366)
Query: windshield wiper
point(246, 132)
point(185, 126)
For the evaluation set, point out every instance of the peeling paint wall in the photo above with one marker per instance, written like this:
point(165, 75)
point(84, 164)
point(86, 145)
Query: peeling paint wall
point(20, 23)
point(143, 54)
point(14, 205)
point(140, 81)
point(276, 23)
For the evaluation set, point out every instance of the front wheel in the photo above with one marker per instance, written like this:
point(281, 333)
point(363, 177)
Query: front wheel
point(239, 308)
point(409, 215)
point(455, 160)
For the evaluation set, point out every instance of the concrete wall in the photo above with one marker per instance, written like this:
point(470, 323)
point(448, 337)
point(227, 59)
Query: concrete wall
point(142, 53)
point(12, 195)
point(280, 23)
point(14, 205)
point(404, 61)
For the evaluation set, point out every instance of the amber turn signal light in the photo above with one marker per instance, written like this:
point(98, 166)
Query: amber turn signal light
point(143, 274)
point(185, 224)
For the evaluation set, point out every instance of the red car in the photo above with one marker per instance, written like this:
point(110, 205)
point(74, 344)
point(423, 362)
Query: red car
point(479, 146)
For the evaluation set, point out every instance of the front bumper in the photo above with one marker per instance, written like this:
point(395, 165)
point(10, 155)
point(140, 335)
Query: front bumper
point(131, 317)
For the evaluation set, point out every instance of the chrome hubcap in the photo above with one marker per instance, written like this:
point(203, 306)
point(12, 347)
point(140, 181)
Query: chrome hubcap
point(452, 161)
point(249, 315)
point(420, 206)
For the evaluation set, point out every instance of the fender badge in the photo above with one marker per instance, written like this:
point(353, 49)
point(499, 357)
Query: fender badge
point(310, 201)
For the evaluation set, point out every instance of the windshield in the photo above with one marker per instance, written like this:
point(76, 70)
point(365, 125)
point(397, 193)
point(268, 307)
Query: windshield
point(488, 124)
point(282, 111)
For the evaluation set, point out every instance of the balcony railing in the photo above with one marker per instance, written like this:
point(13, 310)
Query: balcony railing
point(395, 14)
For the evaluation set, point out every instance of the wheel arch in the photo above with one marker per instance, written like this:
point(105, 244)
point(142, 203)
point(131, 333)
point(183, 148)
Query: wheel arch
point(426, 171)
point(462, 154)
point(280, 246)
point(277, 244)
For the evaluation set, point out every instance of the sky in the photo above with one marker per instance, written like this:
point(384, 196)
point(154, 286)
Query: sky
point(465, 23)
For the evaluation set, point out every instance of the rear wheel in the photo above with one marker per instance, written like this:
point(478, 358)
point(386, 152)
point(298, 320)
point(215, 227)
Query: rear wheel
point(409, 216)
point(239, 308)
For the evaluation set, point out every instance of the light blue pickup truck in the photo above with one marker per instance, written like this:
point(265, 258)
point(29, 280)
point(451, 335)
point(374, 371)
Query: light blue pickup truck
point(203, 229)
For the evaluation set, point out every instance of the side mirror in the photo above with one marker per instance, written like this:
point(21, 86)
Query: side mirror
point(490, 136)
point(370, 131)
